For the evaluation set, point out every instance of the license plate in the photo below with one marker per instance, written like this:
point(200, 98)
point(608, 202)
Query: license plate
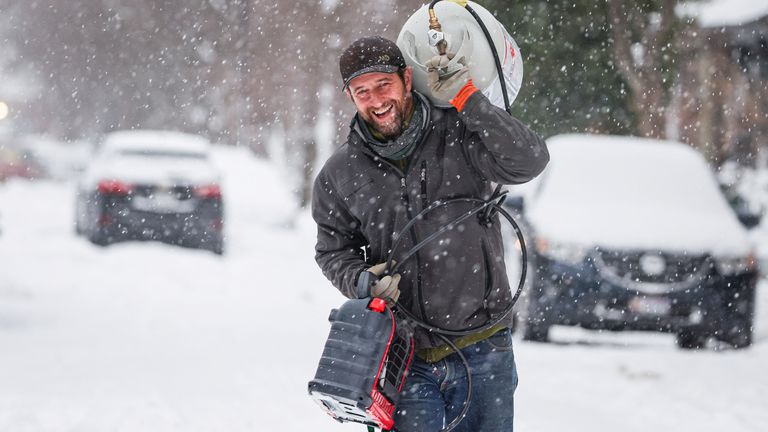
point(161, 202)
point(650, 305)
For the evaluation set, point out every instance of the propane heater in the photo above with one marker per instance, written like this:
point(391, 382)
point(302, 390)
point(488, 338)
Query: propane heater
point(364, 363)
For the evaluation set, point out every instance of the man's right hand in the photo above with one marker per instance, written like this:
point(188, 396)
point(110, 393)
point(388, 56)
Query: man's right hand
point(386, 287)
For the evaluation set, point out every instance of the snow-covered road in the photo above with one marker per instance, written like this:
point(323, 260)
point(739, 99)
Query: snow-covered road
point(148, 337)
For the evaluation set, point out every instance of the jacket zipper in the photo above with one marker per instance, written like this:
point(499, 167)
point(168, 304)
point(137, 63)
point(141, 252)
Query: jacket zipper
point(424, 200)
point(404, 186)
point(488, 281)
point(414, 239)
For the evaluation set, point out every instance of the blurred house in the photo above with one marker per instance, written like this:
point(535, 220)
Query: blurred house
point(721, 99)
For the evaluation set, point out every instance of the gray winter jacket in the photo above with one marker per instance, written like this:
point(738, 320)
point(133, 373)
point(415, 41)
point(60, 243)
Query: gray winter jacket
point(361, 201)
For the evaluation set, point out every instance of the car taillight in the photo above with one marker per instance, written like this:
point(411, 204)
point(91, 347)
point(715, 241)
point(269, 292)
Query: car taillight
point(114, 187)
point(208, 191)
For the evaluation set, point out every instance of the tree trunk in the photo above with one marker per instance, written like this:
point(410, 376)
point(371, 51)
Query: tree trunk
point(640, 39)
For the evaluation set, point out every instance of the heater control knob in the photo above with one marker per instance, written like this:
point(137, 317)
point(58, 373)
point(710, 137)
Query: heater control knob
point(377, 305)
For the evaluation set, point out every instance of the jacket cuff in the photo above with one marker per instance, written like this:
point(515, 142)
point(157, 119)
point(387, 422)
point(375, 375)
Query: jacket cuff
point(463, 95)
point(363, 285)
point(473, 102)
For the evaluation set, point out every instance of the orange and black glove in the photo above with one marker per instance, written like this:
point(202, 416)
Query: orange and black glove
point(454, 87)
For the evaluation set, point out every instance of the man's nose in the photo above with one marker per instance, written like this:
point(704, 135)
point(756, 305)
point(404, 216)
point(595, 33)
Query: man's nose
point(377, 101)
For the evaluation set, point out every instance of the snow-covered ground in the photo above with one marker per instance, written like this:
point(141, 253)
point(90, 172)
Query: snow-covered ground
point(148, 337)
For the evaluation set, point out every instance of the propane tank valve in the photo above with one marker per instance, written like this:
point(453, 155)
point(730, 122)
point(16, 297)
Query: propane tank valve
point(435, 33)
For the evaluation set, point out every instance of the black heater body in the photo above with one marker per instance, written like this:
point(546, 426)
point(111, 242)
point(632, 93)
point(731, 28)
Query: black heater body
point(364, 363)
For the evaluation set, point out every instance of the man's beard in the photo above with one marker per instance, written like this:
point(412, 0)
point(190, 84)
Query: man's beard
point(393, 128)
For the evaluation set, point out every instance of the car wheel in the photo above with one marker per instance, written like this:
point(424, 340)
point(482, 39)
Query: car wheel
point(531, 318)
point(739, 319)
point(741, 337)
point(99, 237)
point(217, 246)
point(536, 332)
point(691, 339)
point(532, 329)
point(213, 244)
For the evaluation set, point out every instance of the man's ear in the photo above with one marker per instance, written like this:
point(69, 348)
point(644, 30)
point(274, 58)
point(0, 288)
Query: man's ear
point(349, 95)
point(408, 78)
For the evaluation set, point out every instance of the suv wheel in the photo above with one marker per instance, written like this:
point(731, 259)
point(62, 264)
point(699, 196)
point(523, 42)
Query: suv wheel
point(528, 321)
point(739, 317)
point(536, 332)
point(691, 339)
point(217, 246)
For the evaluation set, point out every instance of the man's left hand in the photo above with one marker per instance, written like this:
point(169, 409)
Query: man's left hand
point(445, 85)
point(452, 87)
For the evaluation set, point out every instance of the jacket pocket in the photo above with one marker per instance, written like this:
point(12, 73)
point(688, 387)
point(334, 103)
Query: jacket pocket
point(488, 270)
point(354, 185)
point(487, 281)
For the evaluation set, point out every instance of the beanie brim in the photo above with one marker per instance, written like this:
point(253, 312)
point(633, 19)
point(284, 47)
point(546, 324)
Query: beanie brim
point(370, 69)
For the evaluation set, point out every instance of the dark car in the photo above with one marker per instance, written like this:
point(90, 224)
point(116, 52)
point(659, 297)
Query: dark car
point(152, 185)
point(634, 234)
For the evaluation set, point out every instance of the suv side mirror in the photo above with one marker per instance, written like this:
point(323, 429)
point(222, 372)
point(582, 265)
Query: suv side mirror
point(749, 220)
point(515, 203)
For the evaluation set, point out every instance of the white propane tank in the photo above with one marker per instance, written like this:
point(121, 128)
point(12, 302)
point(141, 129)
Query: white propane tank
point(466, 40)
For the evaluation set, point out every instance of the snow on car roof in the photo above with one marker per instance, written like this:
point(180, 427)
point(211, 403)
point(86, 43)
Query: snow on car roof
point(641, 164)
point(632, 192)
point(724, 13)
point(151, 140)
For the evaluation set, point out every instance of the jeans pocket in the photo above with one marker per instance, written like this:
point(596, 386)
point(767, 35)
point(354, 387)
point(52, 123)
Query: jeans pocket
point(501, 340)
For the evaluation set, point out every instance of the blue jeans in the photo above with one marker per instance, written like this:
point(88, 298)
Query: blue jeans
point(434, 393)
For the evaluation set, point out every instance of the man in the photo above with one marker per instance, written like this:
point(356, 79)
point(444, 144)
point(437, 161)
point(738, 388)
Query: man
point(402, 153)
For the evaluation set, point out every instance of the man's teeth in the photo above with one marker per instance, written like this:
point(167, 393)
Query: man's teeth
point(384, 111)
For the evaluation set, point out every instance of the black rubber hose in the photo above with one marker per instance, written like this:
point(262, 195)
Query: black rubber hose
point(499, 70)
point(482, 204)
point(467, 399)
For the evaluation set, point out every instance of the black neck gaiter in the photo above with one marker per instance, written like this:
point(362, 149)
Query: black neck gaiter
point(402, 146)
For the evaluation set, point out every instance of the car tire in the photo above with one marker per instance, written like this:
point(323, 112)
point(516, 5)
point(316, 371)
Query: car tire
point(691, 339)
point(536, 332)
point(99, 238)
point(215, 245)
point(742, 337)
point(523, 324)
point(532, 319)
point(218, 247)
point(739, 319)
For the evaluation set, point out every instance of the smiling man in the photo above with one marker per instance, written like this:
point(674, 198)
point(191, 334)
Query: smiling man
point(403, 153)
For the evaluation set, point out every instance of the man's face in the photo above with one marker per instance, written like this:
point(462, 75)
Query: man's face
point(383, 100)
